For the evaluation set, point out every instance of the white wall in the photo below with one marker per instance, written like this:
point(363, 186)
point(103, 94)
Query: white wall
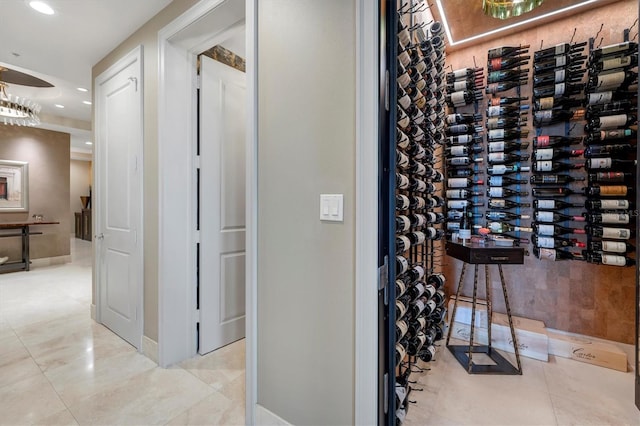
point(306, 146)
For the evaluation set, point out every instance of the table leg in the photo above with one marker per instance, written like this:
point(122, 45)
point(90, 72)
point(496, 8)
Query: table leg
point(25, 247)
point(455, 303)
point(487, 281)
point(473, 317)
point(513, 332)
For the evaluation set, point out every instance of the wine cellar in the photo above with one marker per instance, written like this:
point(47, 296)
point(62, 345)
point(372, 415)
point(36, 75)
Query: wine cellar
point(534, 149)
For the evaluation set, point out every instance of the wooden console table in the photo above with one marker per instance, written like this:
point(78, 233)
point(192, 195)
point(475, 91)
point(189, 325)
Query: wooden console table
point(24, 232)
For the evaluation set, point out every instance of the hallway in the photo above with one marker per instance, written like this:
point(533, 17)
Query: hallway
point(59, 367)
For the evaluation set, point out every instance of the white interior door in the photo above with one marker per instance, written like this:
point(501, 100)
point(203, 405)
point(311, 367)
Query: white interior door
point(222, 205)
point(119, 197)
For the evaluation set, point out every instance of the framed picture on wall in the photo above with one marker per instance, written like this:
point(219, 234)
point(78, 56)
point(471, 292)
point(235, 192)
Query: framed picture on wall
point(14, 186)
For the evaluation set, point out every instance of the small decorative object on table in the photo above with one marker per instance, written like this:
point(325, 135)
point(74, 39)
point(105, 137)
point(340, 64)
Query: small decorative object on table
point(38, 217)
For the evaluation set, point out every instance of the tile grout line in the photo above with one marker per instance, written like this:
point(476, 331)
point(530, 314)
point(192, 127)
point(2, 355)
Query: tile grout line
point(546, 382)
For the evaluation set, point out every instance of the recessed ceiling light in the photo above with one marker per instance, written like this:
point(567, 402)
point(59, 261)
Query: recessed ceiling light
point(59, 106)
point(41, 7)
point(86, 102)
point(82, 89)
point(88, 143)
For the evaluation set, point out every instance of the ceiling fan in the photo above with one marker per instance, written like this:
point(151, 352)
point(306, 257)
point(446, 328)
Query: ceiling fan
point(15, 110)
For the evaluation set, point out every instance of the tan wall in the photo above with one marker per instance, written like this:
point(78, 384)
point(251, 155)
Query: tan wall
point(80, 181)
point(47, 153)
point(147, 36)
point(572, 296)
point(306, 138)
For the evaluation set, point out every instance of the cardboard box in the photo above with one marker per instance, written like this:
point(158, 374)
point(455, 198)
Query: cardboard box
point(583, 349)
point(463, 311)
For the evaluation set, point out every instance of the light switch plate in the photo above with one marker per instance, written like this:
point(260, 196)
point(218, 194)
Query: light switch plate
point(332, 207)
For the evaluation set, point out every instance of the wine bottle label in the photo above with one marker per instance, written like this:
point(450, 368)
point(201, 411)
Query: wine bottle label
point(431, 304)
point(495, 180)
point(420, 203)
point(402, 202)
point(495, 192)
point(616, 218)
point(619, 62)
point(561, 61)
point(544, 154)
point(464, 234)
point(613, 260)
point(401, 352)
point(421, 84)
point(497, 203)
point(418, 289)
point(547, 204)
point(431, 217)
point(494, 111)
point(402, 160)
point(496, 134)
point(497, 157)
point(613, 48)
point(404, 182)
point(400, 288)
point(403, 263)
point(612, 121)
point(458, 150)
point(547, 254)
point(463, 139)
point(546, 229)
point(493, 122)
point(404, 121)
point(546, 242)
point(614, 204)
point(453, 226)
point(600, 98)
point(404, 79)
point(456, 193)
point(403, 140)
point(403, 243)
point(460, 73)
point(544, 216)
point(496, 64)
point(616, 233)
point(404, 101)
point(546, 103)
point(560, 49)
point(493, 88)
point(614, 247)
point(458, 97)
point(459, 85)
point(611, 80)
point(420, 186)
point(600, 163)
point(402, 328)
point(494, 102)
point(559, 89)
point(544, 166)
point(560, 76)
point(542, 141)
point(420, 220)
point(613, 190)
point(546, 114)
point(500, 169)
point(457, 182)
point(420, 169)
point(404, 223)
point(421, 67)
point(496, 146)
point(418, 306)
point(457, 204)
point(459, 161)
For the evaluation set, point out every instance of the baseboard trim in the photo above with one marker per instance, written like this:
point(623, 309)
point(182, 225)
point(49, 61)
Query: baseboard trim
point(265, 417)
point(50, 261)
point(93, 312)
point(150, 348)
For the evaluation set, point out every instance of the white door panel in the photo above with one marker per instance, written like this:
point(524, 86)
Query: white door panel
point(222, 205)
point(119, 203)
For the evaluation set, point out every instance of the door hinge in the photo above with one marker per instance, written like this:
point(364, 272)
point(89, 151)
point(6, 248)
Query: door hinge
point(385, 399)
point(198, 81)
point(196, 162)
point(197, 316)
point(196, 237)
point(386, 90)
point(383, 279)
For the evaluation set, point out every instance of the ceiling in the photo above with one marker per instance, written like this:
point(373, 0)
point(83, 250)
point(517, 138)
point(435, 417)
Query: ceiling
point(62, 49)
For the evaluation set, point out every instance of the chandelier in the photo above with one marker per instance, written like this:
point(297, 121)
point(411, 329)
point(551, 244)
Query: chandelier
point(18, 111)
point(505, 9)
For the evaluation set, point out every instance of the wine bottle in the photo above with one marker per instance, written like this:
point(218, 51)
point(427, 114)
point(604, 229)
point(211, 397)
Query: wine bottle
point(420, 306)
point(506, 157)
point(463, 161)
point(553, 179)
point(402, 140)
point(610, 177)
point(461, 194)
point(597, 204)
point(462, 182)
point(505, 180)
point(458, 85)
point(553, 230)
point(506, 76)
point(606, 97)
point(464, 230)
point(419, 169)
point(401, 329)
point(608, 259)
point(609, 122)
point(557, 76)
point(606, 136)
point(506, 134)
point(557, 50)
point(561, 61)
point(467, 139)
point(608, 232)
point(610, 163)
point(611, 81)
point(462, 118)
point(463, 73)
point(546, 141)
point(416, 237)
point(555, 242)
point(551, 204)
point(403, 224)
point(507, 146)
point(456, 215)
point(463, 97)
point(402, 244)
point(434, 217)
point(416, 273)
point(417, 202)
point(506, 51)
point(613, 108)
point(559, 89)
point(427, 353)
point(417, 290)
point(494, 88)
point(416, 326)
point(554, 254)
point(402, 202)
point(554, 101)
point(507, 111)
point(506, 63)
point(462, 172)
point(462, 150)
point(608, 150)
point(403, 119)
point(502, 216)
point(461, 129)
point(546, 117)
point(501, 203)
point(503, 169)
point(497, 101)
point(418, 220)
point(611, 63)
point(505, 123)
point(432, 233)
point(556, 191)
point(501, 192)
point(541, 154)
point(503, 227)
point(402, 265)
point(554, 166)
point(400, 353)
point(610, 246)
point(607, 190)
point(607, 218)
point(402, 160)
point(553, 217)
point(434, 201)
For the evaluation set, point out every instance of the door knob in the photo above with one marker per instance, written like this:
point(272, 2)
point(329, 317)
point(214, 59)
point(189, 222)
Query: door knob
point(99, 236)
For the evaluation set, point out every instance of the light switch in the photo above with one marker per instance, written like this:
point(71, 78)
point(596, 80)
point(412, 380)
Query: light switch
point(332, 207)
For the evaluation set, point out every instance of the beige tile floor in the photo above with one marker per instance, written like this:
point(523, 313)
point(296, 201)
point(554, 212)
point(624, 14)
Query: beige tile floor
point(59, 367)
